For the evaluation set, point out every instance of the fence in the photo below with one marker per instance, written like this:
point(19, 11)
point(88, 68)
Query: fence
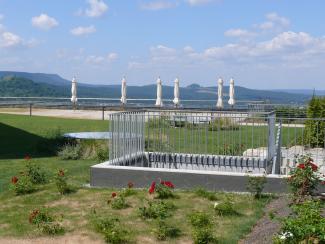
point(227, 141)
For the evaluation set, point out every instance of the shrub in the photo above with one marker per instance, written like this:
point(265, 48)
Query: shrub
point(119, 202)
point(225, 208)
point(314, 132)
point(45, 222)
point(223, 124)
point(163, 189)
point(255, 185)
point(112, 229)
point(200, 219)
point(62, 184)
point(22, 185)
point(158, 122)
point(201, 192)
point(305, 225)
point(303, 179)
point(204, 236)
point(156, 209)
point(101, 154)
point(166, 230)
point(70, 152)
point(36, 174)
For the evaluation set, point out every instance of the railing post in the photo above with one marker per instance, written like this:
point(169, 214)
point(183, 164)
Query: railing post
point(103, 113)
point(271, 137)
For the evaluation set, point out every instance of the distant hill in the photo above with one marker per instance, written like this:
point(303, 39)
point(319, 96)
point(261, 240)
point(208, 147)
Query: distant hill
point(39, 84)
point(303, 91)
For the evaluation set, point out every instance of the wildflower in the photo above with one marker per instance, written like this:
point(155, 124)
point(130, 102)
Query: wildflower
point(285, 235)
point(114, 194)
point(61, 172)
point(14, 180)
point(215, 205)
point(168, 184)
point(313, 166)
point(152, 187)
point(130, 184)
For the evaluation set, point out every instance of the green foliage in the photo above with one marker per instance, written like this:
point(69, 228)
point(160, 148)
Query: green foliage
point(119, 202)
point(303, 179)
point(202, 228)
point(223, 124)
point(255, 185)
point(62, 183)
point(128, 192)
point(156, 209)
point(70, 152)
point(200, 219)
point(204, 236)
point(158, 122)
point(45, 222)
point(102, 154)
point(314, 132)
point(201, 192)
point(36, 174)
point(305, 225)
point(23, 186)
point(166, 230)
point(225, 207)
point(164, 192)
point(112, 229)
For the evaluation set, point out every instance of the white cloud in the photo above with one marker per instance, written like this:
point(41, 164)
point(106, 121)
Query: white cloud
point(240, 33)
point(198, 2)
point(96, 8)
point(8, 40)
point(83, 30)
point(274, 22)
point(112, 56)
point(158, 5)
point(44, 22)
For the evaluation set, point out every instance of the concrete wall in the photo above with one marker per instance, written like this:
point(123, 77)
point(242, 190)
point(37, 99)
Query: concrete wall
point(104, 175)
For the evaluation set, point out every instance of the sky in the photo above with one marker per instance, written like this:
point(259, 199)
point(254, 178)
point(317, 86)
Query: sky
point(262, 44)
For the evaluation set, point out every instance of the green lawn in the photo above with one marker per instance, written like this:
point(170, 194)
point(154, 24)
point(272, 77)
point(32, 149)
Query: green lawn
point(22, 135)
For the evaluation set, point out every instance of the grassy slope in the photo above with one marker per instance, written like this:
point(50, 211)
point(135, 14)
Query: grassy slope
point(76, 208)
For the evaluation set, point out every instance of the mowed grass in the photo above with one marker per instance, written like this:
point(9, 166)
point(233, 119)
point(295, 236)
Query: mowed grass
point(76, 209)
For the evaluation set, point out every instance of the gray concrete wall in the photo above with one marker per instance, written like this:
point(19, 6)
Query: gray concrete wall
point(118, 176)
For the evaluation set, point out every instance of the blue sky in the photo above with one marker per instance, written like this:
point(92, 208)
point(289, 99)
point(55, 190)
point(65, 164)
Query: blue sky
point(264, 44)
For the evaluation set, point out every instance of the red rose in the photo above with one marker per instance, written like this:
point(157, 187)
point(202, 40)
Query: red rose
point(114, 194)
point(313, 166)
point(168, 184)
point(301, 166)
point(130, 184)
point(61, 172)
point(14, 180)
point(152, 187)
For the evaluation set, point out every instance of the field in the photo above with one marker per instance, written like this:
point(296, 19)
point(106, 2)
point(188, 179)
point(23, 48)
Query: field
point(22, 135)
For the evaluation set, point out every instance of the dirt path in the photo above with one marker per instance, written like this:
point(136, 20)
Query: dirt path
point(265, 228)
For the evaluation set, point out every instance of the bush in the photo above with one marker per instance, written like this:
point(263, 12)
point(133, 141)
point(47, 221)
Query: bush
point(102, 154)
point(166, 230)
point(158, 122)
point(45, 222)
point(201, 192)
point(119, 202)
point(70, 152)
point(112, 229)
point(156, 209)
point(36, 174)
point(163, 189)
point(204, 236)
point(22, 185)
point(202, 228)
point(255, 185)
point(223, 124)
point(225, 208)
point(62, 184)
point(314, 133)
point(303, 179)
point(200, 219)
point(305, 225)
